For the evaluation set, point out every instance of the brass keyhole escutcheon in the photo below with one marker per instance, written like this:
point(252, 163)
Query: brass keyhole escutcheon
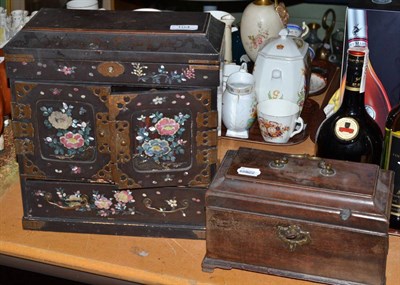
point(110, 69)
point(293, 236)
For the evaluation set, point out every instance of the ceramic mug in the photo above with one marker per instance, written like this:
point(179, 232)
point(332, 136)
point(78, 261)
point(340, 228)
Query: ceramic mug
point(239, 104)
point(279, 120)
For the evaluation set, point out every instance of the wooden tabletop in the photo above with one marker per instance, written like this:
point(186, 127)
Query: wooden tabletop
point(138, 259)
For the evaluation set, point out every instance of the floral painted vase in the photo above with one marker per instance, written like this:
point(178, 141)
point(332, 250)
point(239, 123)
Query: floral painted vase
point(261, 20)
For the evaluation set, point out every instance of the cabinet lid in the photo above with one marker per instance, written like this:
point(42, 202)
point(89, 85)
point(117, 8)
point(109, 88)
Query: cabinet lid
point(355, 195)
point(191, 37)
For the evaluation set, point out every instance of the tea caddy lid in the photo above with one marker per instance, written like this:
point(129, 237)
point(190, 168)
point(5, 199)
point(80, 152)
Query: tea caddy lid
point(349, 194)
point(285, 46)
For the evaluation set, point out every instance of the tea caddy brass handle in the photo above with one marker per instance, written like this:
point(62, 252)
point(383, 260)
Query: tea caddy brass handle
point(282, 161)
point(293, 236)
point(326, 168)
point(279, 162)
point(68, 203)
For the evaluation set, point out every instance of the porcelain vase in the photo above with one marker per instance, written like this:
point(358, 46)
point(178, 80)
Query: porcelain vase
point(260, 21)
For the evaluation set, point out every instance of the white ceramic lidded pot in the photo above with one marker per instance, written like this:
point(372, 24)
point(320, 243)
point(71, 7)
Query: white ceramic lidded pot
point(283, 69)
point(239, 104)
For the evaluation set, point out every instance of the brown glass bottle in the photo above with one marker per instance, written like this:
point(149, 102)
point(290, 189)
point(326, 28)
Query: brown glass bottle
point(391, 160)
point(350, 133)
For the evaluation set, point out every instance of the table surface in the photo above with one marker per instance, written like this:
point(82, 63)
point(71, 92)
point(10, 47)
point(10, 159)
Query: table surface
point(144, 260)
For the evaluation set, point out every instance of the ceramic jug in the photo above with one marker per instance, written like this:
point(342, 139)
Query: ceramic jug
point(239, 103)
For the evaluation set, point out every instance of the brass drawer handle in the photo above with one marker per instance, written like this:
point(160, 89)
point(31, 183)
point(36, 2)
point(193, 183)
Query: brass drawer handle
point(68, 203)
point(173, 206)
point(293, 236)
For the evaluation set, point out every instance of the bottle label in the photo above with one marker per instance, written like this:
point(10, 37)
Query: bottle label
point(357, 63)
point(395, 210)
point(394, 164)
point(346, 128)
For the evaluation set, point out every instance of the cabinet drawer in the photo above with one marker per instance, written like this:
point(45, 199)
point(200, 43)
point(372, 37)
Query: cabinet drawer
point(102, 208)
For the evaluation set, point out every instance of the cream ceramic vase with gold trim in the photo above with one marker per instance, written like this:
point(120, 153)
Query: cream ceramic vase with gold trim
point(261, 20)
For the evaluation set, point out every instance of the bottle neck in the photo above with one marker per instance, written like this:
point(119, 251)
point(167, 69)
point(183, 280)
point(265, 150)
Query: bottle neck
point(357, 29)
point(353, 98)
point(263, 2)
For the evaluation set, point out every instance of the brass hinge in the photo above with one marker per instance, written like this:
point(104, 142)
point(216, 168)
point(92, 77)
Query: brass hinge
point(103, 133)
point(21, 111)
point(207, 138)
point(24, 146)
point(19, 58)
point(22, 130)
point(207, 120)
point(207, 156)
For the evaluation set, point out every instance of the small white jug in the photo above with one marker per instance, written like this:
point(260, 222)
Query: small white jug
point(239, 103)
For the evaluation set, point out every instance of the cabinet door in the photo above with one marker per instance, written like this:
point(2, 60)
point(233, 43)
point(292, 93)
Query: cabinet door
point(164, 137)
point(61, 130)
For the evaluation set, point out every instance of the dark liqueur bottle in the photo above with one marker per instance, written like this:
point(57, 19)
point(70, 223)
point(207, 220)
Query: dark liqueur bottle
point(377, 100)
point(350, 133)
point(391, 160)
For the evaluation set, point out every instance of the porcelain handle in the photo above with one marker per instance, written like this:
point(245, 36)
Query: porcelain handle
point(243, 67)
point(298, 128)
point(305, 29)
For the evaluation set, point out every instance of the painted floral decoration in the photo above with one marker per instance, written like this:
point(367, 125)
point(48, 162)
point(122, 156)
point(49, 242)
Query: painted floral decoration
point(256, 41)
point(121, 203)
point(272, 129)
point(72, 141)
point(274, 94)
point(68, 136)
point(156, 148)
point(167, 127)
point(160, 138)
point(67, 70)
point(253, 115)
point(162, 75)
point(60, 120)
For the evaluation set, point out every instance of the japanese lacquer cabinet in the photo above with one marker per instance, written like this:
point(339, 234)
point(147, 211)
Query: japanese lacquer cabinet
point(115, 120)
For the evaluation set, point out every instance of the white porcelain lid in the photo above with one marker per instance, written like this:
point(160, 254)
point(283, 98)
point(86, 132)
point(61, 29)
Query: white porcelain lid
point(285, 46)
